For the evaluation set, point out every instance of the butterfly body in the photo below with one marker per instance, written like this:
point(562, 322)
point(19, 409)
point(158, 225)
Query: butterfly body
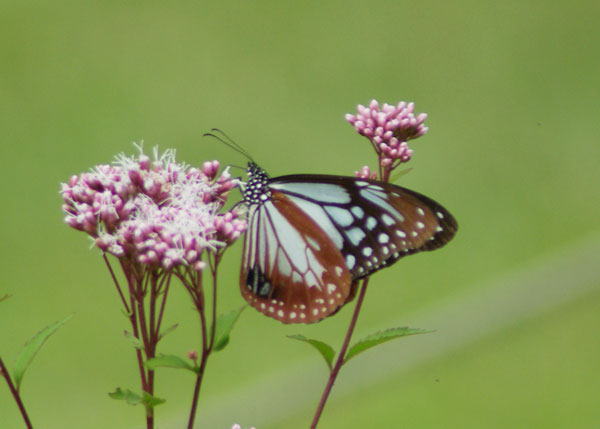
point(310, 237)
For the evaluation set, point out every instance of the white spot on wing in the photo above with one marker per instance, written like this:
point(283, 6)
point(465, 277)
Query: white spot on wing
point(387, 219)
point(355, 235)
point(340, 216)
point(350, 261)
point(371, 223)
point(358, 212)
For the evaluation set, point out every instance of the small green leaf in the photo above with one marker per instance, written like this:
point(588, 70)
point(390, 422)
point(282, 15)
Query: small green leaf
point(323, 348)
point(169, 361)
point(380, 338)
point(31, 348)
point(167, 331)
point(135, 342)
point(399, 174)
point(151, 401)
point(133, 398)
point(127, 395)
point(225, 323)
point(4, 297)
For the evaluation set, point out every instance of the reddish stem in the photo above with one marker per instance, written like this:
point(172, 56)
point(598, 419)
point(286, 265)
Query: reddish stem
point(116, 282)
point(132, 313)
point(199, 379)
point(165, 293)
point(199, 302)
point(207, 343)
point(144, 327)
point(341, 356)
point(15, 394)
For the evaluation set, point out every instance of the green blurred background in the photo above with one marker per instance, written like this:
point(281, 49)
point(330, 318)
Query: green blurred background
point(513, 93)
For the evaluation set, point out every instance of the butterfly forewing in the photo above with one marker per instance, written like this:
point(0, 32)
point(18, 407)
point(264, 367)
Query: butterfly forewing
point(292, 270)
point(372, 223)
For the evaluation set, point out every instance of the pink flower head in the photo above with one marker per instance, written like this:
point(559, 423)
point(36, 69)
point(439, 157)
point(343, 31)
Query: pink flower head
point(366, 173)
point(389, 128)
point(158, 211)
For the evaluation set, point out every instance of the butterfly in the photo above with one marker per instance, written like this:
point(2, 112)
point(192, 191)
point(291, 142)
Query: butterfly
point(311, 237)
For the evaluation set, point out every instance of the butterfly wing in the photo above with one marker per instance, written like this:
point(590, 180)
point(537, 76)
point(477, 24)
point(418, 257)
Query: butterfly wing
point(372, 223)
point(291, 269)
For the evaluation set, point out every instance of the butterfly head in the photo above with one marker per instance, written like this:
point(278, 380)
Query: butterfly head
point(257, 189)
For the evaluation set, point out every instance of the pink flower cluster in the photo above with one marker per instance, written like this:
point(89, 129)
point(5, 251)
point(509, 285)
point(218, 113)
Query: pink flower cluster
point(155, 210)
point(366, 173)
point(389, 127)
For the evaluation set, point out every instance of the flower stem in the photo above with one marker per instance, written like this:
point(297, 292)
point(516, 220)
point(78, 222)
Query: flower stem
point(15, 394)
point(199, 378)
point(341, 359)
point(207, 342)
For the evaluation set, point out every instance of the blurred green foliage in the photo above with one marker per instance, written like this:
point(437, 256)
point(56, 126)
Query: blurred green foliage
point(512, 91)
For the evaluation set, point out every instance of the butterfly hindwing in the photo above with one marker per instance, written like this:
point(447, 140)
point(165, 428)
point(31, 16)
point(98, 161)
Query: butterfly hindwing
point(292, 270)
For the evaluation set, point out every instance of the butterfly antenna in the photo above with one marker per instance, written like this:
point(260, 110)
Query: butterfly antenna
point(230, 145)
point(232, 142)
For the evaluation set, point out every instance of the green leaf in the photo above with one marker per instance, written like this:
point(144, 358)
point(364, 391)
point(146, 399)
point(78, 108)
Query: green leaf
point(167, 331)
point(151, 401)
point(399, 174)
point(323, 348)
point(380, 338)
point(169, 361)
point(4, 297)
point(31, 348)
point(135, 342)
point(133, 398)
point(225, 323)
point(127, 395)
